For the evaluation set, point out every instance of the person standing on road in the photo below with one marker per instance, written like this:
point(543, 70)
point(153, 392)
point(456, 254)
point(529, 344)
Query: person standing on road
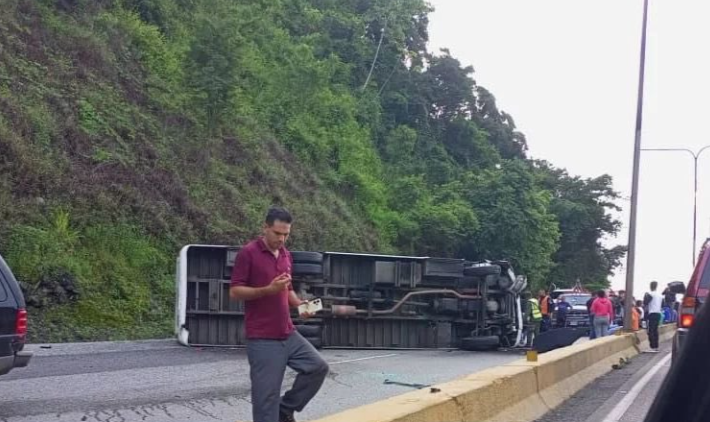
point(641, 312)
point(603, 314)
point(635, 319)
point(547, 306)
point(533, 318)
point(592, 331)
point(669, 298)
point(654, 302)
point(620, 311)
point(563, 308)
point(262, 279)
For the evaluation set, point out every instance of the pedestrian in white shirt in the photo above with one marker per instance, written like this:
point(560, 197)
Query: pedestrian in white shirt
point(654, 303)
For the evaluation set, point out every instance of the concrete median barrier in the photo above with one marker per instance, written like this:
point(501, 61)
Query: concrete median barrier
point(521, 391)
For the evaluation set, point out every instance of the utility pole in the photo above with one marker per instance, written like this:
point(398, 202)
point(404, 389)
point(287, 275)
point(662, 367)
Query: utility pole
point(631, 257)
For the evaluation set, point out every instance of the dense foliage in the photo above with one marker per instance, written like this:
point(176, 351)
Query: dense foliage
point(131, 127)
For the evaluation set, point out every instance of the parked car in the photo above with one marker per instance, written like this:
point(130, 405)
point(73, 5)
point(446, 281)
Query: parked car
point(683, 396)
point(13, 322)
point(578, 316)
point(695, 295)
point(556, 293)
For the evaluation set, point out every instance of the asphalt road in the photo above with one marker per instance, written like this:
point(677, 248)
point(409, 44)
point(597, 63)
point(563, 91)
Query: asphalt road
point(623, 395)
point(160, 381)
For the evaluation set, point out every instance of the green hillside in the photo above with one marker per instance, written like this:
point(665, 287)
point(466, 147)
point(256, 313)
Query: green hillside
point(129, 128)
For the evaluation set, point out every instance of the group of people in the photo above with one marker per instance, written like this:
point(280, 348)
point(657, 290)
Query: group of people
point(604, 310)
point(536, 314)
point(539, 311)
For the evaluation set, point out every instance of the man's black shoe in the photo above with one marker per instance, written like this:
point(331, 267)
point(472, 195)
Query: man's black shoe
point(286, 417)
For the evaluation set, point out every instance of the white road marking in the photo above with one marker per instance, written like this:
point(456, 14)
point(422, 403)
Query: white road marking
point(360, 359)
point(620, 409)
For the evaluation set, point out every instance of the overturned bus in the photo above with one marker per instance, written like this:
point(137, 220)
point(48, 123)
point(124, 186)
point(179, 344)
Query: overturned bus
point(369, 301)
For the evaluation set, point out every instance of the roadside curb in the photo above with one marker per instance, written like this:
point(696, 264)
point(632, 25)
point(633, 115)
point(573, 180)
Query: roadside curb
point(520, 391)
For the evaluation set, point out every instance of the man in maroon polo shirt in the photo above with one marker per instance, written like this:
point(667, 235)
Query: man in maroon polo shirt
point(262, 278)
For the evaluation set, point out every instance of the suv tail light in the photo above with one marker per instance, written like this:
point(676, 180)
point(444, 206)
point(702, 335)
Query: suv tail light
point(21, 323)
point(687, 312)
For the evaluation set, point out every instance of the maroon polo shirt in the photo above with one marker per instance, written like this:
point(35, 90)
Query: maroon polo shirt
point(267, 317)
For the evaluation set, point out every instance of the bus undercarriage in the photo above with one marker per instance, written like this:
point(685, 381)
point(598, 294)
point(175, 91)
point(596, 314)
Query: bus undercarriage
point(369, 301)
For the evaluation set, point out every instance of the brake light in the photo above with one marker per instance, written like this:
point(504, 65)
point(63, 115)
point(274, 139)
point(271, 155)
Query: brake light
point(686, 320)
point(687, 312)
point(21, 323)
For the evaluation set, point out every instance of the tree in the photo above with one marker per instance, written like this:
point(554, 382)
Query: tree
point(186, 118)
point(500, 126)
point(583, 208)
point(213, 65)
point(515, 220)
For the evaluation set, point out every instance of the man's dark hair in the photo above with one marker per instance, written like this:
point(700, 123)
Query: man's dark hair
point(601, 293)
point(278, 213)
point(527, 295)
point(654, 286)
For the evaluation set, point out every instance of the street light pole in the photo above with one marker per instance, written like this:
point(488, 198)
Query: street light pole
point(631, 257)
point(695, 201)
point(696, 156)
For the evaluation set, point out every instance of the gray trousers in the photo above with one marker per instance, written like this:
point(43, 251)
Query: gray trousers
point(601, 325)
point(268, 360)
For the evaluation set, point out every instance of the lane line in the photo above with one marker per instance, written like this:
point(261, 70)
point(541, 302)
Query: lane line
point(620, 409)
point(361, 359)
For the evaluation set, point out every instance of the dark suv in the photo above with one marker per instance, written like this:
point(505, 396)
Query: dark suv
point(578, 315)
point(695, 295)
point(13, 322)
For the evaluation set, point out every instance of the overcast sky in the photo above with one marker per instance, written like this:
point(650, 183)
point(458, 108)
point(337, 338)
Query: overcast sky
point(567, 71)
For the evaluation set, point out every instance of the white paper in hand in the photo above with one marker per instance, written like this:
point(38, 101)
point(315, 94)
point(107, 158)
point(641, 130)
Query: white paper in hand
point(310, 307)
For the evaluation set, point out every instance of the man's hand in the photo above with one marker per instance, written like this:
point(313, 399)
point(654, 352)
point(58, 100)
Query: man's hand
point(306, 315)
point(277, 285)
point(280, 283)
